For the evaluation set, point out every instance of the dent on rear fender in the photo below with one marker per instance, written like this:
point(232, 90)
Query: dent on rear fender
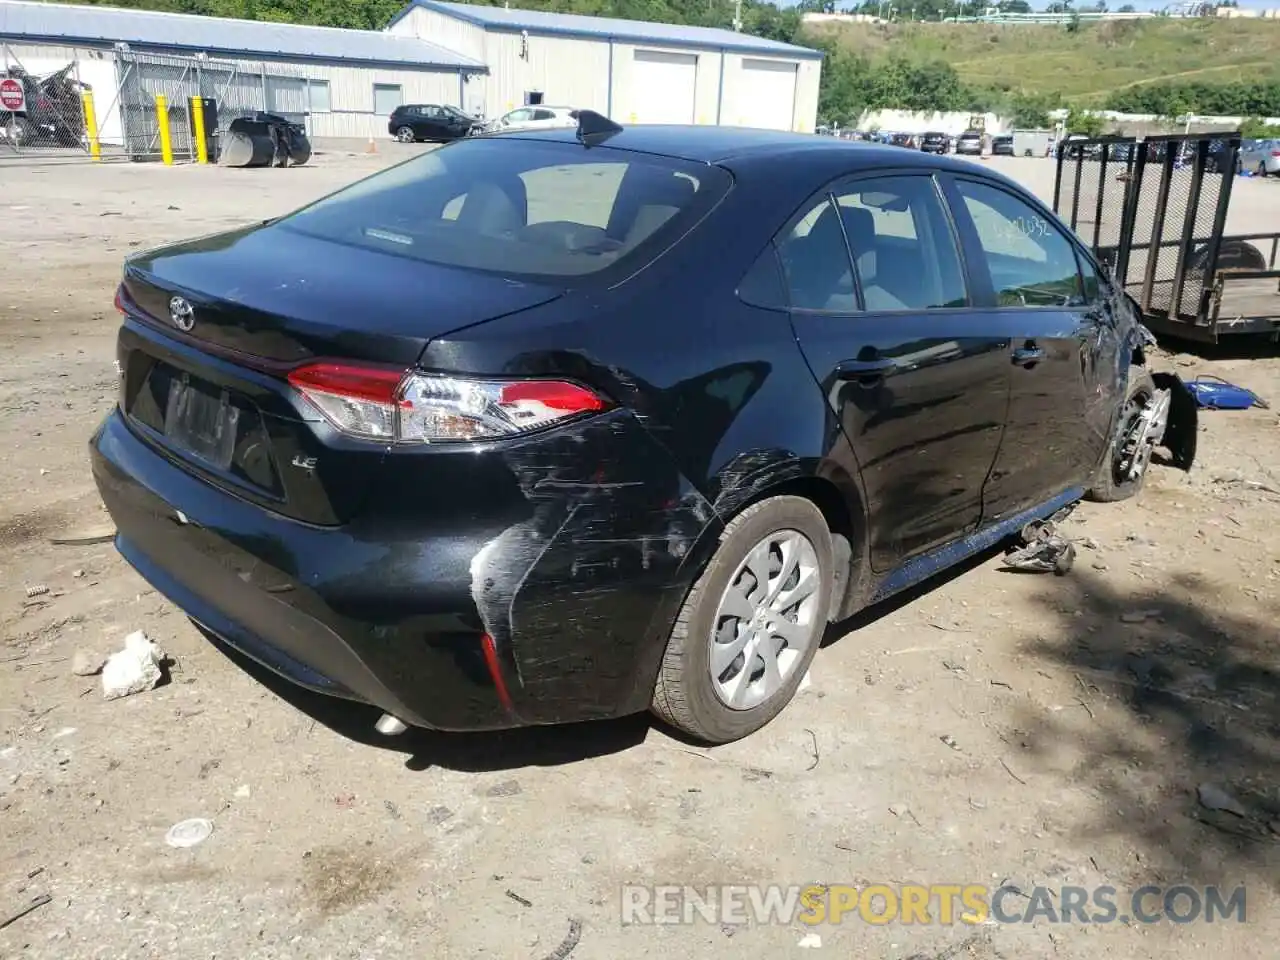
point(610, 522)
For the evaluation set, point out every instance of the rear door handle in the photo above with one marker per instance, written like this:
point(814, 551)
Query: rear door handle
point(1026, 356)
point(865, 370)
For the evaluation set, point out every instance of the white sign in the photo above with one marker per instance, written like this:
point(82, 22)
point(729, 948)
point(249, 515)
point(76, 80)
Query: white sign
point(12, 95)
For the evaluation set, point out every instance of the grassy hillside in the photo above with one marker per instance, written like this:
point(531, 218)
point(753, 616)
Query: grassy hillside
point(1083, 66)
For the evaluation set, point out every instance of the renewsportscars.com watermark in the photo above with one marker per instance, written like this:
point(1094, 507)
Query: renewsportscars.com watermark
point(943, 904)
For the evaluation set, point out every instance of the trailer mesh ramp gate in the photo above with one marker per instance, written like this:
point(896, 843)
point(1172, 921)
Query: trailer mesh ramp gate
point(1154, 210)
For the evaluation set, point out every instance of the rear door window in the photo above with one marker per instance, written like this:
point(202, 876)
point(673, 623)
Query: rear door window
point(904, 256)
point(903, 249)
point(521, 208)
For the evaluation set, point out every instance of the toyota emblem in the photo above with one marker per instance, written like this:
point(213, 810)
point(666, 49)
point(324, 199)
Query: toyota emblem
point(181, 313)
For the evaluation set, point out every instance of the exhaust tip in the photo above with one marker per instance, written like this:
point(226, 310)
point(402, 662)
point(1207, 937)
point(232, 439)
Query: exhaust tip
point(390, 726)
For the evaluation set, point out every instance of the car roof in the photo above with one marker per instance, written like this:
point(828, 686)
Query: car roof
point(796, 162)
point(710, 144)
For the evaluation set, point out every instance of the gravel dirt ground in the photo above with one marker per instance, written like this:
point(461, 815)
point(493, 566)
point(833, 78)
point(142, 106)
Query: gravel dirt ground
point(990, 728)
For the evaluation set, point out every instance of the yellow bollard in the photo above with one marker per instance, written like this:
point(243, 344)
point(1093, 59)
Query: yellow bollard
point(162, 118)
point(197, 124)
point(91, 126)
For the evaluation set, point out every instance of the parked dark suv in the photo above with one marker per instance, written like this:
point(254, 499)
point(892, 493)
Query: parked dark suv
point(430, 121)
point(935, 143)
point(570, 424)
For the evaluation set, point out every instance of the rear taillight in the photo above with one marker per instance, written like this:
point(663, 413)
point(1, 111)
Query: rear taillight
point(120, 300)
point(1275, 153)
point(408, 407)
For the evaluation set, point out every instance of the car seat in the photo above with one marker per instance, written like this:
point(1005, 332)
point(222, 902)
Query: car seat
point(860, 229)
point(817, 266)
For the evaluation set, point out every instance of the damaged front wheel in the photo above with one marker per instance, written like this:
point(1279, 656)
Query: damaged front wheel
point(1143, 419)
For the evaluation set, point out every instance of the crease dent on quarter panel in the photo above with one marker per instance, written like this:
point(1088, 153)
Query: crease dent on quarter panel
point(497, 570)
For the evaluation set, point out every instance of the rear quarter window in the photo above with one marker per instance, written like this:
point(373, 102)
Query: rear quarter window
point(521, 208)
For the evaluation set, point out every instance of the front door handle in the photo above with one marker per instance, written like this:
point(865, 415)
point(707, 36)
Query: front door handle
point(864, 371)
point(1028, 356)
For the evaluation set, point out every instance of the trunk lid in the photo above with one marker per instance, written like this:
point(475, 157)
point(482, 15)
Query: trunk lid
point(284, 297)
point(207, 388)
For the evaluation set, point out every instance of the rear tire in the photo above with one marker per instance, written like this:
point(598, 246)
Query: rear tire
point(728, 615)
point(405, 135)
point(1110, 485)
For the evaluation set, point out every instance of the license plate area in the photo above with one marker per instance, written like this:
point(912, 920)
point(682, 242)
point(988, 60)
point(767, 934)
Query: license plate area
point(201, 420)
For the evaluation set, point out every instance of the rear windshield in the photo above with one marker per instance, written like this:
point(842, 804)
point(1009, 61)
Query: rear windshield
point(520, 208)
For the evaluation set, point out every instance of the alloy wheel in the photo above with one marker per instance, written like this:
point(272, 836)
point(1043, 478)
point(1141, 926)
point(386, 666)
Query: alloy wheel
point(764, 623)
point(404, 135)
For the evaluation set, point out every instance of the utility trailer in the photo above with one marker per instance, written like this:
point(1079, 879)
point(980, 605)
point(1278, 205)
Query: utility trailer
point(1154, 210)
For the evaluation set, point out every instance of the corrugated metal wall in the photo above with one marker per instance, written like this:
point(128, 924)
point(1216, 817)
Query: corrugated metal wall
point(350, 87)
point(566, 70)
point(457, 35)
point(577, 72)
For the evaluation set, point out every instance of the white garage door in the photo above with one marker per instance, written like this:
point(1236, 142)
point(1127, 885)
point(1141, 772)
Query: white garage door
point(663, 86)
point(767, 97)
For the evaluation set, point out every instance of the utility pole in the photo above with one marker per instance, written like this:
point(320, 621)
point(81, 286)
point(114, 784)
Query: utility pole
point(737, 15)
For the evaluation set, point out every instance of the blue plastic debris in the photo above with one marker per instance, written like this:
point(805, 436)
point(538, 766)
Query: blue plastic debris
point(1216, 394)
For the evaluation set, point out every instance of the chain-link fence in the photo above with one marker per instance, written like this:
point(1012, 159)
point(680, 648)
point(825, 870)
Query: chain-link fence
point(48, 112)
point(229, 90)
point(42, 113)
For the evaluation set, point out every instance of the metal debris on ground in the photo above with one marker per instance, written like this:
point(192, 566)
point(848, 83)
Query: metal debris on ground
point(38, 590)
point(1043, 548)
point(813, 743)
point(22, 911)
point(569, 942)
point(133, 669)
point(511, 894)
point(189, 833)
point(1213, 797)
point(950, 741)
point(83, 539)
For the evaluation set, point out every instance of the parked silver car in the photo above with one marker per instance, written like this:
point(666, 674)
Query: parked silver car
point(1260, 157)
point(536, 117)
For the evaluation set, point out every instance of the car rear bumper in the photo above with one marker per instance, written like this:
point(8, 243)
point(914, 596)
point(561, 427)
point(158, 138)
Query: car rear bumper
point(576, 588)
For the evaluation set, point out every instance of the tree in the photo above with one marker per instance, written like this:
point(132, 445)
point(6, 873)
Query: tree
point(1128, 8)
point(1255, 128)
point(1084, 122)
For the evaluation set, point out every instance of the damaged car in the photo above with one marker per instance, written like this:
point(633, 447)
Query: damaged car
point(572, 424)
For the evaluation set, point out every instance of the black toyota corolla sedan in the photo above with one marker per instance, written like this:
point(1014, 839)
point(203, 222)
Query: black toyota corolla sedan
point(568, 425)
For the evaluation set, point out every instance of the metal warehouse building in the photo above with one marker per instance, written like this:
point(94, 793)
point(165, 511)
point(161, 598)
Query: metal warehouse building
point(632, 71)
point(345, 83)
